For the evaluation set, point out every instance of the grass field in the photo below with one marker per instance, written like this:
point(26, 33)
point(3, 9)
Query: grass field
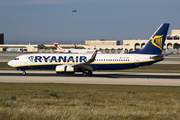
point(88, 102)
point(168, 68)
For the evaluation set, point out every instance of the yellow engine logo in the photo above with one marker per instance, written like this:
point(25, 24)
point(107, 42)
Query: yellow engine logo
point(157, 41)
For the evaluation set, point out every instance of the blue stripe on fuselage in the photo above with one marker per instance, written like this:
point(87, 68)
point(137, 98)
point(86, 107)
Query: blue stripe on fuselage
point(94, 66)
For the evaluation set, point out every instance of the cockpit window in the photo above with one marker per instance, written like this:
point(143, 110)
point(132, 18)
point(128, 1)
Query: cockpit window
point(16, 58)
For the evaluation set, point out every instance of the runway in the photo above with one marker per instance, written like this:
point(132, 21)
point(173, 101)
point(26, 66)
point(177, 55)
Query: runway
point(113, 78)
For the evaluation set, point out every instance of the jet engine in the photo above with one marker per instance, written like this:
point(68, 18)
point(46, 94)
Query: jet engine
point(64, 69)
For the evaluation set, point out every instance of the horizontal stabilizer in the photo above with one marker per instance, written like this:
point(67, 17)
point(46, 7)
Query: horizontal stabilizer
point(157, 56)
point(168, 54)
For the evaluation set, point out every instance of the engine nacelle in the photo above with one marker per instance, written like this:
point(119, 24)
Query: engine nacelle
point(64, 69)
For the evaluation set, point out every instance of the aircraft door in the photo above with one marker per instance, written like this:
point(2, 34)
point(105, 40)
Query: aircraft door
point(137, 60)
point(25, 60)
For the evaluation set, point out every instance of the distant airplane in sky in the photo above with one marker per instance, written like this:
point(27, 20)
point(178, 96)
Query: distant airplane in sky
point(67, 63)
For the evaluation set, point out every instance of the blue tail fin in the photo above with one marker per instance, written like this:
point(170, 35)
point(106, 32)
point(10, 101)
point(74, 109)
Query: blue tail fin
point(156, 42)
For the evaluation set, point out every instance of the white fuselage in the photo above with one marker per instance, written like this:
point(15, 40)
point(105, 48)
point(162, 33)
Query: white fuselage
point(102, 61)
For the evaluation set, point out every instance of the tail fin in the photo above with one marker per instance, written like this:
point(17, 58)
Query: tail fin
point(59, 48)
point(156, 42)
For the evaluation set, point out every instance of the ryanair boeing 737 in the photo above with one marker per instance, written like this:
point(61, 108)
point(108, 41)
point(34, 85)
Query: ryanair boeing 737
point(64, 63)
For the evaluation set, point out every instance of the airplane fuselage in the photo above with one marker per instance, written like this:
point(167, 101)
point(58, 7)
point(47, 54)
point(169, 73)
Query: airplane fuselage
point(102, 61)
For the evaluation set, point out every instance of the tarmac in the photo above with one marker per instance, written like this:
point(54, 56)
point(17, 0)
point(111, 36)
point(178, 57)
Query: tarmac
point(112, 78)
point(109, 78)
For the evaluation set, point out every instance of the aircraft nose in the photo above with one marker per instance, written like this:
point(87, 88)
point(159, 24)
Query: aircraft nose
point(10, 63)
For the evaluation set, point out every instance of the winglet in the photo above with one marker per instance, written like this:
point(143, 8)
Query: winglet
point(93, 57)
point(122, 52)
point(84, 64)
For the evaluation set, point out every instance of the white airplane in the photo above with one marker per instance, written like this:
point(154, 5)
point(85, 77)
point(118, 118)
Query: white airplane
point(86, 63)
point(60, 49)
point(13, 50)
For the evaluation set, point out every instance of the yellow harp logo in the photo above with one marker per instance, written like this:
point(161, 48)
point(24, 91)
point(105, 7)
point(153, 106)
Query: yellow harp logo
point(157, 41)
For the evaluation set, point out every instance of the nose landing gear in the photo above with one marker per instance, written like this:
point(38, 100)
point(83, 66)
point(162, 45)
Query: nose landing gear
point(24, 73)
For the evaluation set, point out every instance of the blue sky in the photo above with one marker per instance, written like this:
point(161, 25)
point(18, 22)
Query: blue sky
point(47, 21)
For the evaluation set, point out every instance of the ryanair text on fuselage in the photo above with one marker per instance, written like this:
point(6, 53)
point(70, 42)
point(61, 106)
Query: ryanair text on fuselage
point(58, 59)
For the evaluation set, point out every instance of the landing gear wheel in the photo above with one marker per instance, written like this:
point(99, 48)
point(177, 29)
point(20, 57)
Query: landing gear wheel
point(24, 72)
point(84, 74)
point(89, 72)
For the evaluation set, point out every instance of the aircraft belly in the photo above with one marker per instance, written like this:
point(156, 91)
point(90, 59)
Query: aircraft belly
point(112, 66)
point(38, 67)
point(95, 66)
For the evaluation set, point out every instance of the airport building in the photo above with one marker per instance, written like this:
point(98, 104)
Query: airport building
point(172, 44)
point(108, 46)
point(20, 47)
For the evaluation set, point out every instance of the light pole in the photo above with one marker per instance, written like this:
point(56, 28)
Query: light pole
point(74, 11)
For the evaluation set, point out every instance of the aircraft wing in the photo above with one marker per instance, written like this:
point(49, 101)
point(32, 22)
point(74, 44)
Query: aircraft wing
point(87, 65)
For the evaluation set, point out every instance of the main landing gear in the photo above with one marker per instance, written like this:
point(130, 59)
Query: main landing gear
point(87, 73)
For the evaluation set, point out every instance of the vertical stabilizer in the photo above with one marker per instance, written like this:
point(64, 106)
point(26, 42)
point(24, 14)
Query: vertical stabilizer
point(156, 42)
point(59, 48)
